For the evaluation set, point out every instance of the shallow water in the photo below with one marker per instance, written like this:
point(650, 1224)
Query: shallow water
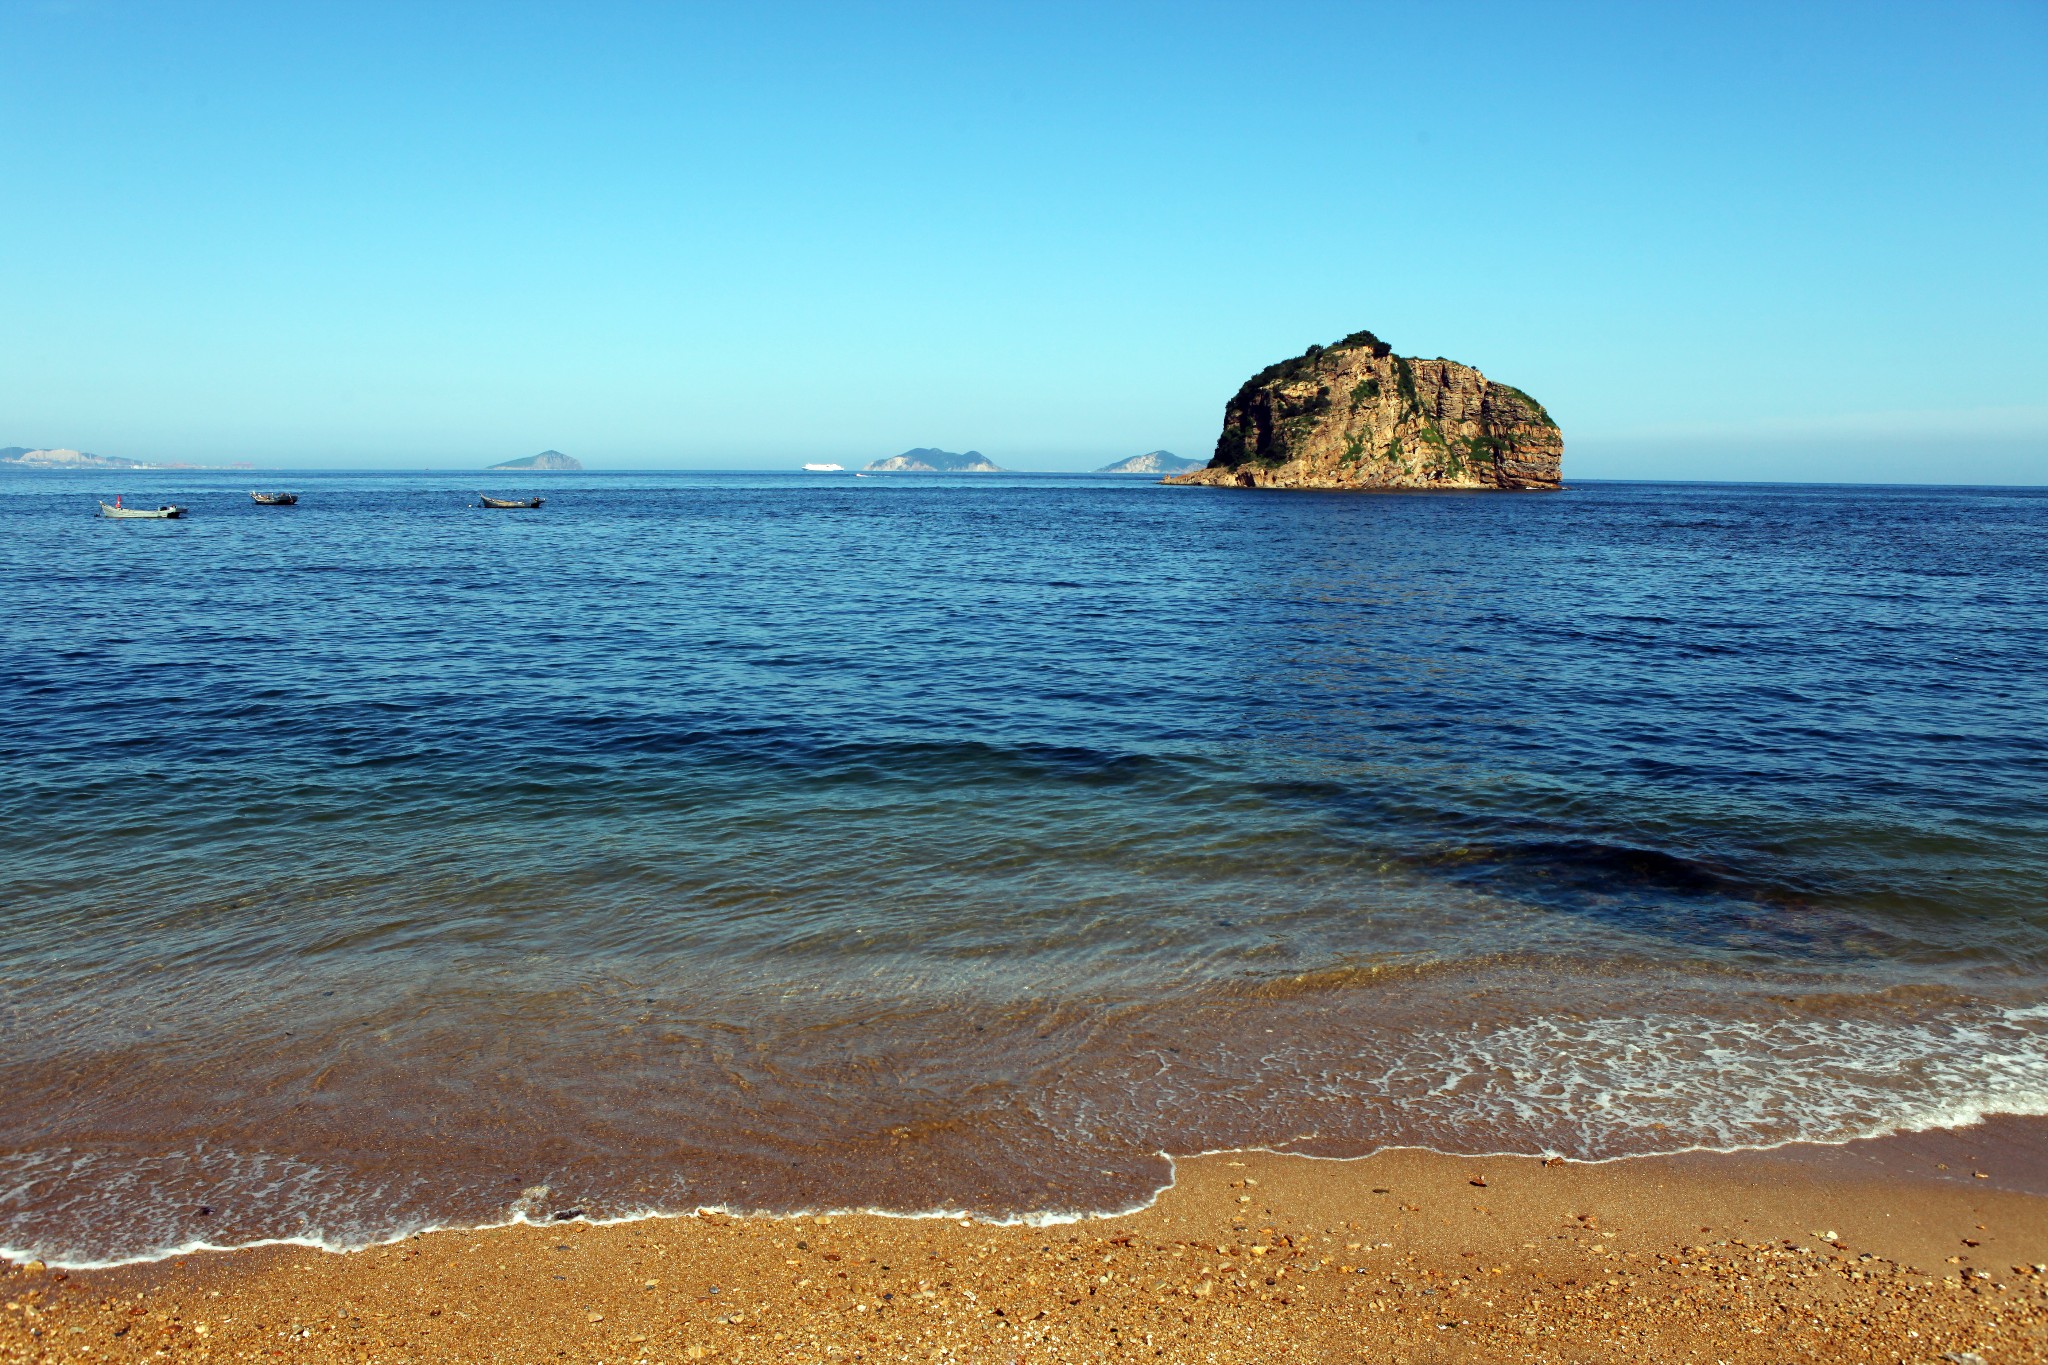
point(920, 842)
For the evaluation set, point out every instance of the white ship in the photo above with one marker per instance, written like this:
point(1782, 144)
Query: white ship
point(825, 468)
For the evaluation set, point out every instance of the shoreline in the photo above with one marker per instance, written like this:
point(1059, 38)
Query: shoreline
point(2023, 1135)
point(1402, 1253)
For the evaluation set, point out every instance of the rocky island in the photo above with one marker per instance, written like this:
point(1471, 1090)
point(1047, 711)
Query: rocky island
point(1151, 462)
point(925, 460)
point(1355, 415)
point(63, 459)
point(547, 459)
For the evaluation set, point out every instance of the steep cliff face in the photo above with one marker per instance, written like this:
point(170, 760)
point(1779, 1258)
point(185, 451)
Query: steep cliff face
point(1355, 415)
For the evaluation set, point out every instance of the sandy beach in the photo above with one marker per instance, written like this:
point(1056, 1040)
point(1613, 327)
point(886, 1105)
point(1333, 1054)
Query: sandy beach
point(1912, 1249)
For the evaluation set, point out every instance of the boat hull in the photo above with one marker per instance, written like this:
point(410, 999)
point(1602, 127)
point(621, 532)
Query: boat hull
point(140, 513)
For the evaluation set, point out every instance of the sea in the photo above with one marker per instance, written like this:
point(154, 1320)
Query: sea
point(974, 845)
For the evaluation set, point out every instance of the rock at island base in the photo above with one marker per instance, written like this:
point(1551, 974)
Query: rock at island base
point(1355, 415)
point(547, 459)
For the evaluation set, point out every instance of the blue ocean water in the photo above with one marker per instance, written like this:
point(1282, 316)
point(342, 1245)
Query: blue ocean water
point(783, 841)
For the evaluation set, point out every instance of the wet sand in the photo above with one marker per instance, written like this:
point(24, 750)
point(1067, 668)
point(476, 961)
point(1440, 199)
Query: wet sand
point(1908, 1249)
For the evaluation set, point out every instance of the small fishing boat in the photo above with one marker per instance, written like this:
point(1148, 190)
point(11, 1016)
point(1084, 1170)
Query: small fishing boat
point(275, 499)
point(120, 513)
point(508, 502)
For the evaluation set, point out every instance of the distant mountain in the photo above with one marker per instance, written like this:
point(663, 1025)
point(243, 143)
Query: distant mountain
point(63, 459)
point(924, 460)
point(547, 459)
point(1151, 462)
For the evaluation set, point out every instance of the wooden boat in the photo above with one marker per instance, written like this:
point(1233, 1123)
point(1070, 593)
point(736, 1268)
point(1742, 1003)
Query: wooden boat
point(509, 502)
point(275, 499)
point(164, 513)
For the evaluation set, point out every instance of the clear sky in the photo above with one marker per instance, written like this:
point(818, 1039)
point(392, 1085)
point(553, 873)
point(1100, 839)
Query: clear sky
point(1771, 241)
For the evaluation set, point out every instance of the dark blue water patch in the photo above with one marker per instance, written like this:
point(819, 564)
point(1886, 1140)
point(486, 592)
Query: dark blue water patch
point(1491, 673)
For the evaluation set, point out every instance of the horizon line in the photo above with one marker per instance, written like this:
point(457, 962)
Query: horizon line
point(452, 470)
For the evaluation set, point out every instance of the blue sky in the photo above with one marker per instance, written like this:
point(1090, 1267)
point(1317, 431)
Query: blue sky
point(1779, 241)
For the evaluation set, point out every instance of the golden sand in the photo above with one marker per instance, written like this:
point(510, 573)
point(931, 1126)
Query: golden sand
point(1405, 1256)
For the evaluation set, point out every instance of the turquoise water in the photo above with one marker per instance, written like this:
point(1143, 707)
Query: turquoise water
point(784, 841)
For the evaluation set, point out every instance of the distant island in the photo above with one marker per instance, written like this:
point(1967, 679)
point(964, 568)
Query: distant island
point(925, 460)
point(62, 459)
point(547, 459)
point(1355, 415)
point(1151, 462)
point(59, 458)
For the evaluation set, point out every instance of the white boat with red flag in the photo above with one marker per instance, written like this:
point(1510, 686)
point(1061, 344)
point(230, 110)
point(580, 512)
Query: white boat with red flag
point(164, 513)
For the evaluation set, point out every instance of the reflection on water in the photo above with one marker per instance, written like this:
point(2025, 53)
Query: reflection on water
point(784, 841)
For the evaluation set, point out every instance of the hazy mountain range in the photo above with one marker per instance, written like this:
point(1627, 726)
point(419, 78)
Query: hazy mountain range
point(547, 459)
point(925, 460)
point(1151, 462)
point(63, 459)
